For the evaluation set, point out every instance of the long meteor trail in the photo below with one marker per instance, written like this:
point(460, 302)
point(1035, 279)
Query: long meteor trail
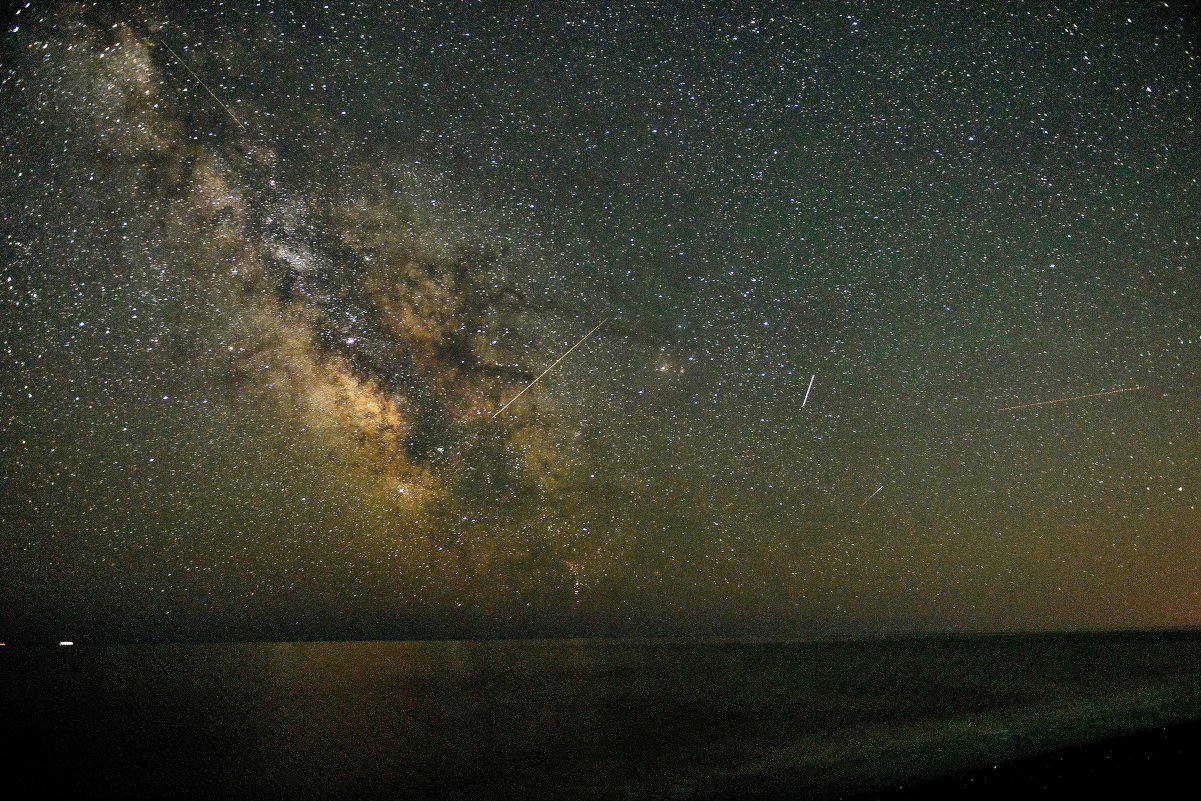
point(548, 369)
point(184, 64)
point(1066, 400)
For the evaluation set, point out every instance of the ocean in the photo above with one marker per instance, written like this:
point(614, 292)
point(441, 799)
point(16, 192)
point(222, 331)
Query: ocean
point(589, 719)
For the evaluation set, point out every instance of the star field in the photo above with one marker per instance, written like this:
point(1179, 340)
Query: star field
point(270, 270)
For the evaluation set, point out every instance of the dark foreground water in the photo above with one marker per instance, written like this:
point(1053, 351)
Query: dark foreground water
point(574, 719)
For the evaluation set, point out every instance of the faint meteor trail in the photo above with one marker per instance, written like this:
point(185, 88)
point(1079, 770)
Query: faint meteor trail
point(1065, 400)
point(192, 72)
point(869, 497)
point(806, 399)
point(548, 369)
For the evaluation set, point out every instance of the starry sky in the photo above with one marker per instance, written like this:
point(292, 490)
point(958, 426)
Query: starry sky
point(271, 271)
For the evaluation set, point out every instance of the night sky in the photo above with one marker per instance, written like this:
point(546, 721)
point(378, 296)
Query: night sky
point(270, 270)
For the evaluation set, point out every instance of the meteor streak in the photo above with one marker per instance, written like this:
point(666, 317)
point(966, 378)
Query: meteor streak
point(1065, 400)
point(869, 497)
point(548, 369)
point(806, 399)
point(184, 64)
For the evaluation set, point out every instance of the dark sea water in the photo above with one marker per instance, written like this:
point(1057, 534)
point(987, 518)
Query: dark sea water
point(573, 719)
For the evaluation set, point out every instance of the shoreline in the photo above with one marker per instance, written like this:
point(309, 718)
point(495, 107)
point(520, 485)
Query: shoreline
point(1142, 762)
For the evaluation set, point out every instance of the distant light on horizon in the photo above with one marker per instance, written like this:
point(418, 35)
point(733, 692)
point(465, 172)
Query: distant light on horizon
point(65, 642)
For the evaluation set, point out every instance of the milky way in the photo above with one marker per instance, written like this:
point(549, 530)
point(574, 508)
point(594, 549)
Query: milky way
point(391, 353)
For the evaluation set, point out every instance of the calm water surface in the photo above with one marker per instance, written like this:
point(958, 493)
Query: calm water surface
point(574, 719)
